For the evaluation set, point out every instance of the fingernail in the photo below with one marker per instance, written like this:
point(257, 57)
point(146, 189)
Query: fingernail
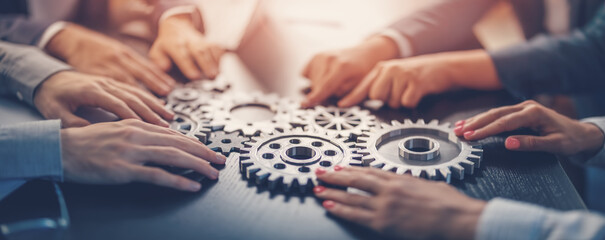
point(320, 171)
point(458, 130)
point(328, 204)
point(338, 168)
point(221, 158)
point(195, 187)
point(214, 174)
point(469, 134)
point(512, 143)
point(319, 189)
point(460, 123)
point(165, 124)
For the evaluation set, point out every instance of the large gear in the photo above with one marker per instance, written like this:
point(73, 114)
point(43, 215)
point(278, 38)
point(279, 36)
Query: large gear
point(226, 143)
point(430, 150)
point(281, 113)
point(345, 122)
point(189, 121)
point(288, 160)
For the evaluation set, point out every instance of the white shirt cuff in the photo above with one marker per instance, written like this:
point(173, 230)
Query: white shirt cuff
point(404, 45)
point(50, 32)
point(507, 219)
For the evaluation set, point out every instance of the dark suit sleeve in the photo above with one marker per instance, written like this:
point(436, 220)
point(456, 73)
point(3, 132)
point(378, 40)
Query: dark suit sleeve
point(571, 64)
point(19, 29)
point(443, 25)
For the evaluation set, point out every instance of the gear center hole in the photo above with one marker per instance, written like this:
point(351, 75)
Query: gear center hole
point(419, 145)
point(253, 112)
point(301, 153)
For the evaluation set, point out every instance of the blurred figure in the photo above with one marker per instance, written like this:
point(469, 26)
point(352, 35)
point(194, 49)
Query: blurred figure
point(569, 59)
point(402, 206)
point(55, 27)
point(105, 153)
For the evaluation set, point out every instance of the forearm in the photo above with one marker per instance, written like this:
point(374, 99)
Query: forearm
point(506, 219)
point(31, 150)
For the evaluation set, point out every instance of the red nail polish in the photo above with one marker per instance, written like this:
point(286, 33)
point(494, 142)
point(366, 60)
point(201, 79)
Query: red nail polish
point(458, 129)
point(338, 168)
point(512, 143)
point(328, 204)
point(460, 123)
point(468, 134)
point(320, 171)
point(319, 189)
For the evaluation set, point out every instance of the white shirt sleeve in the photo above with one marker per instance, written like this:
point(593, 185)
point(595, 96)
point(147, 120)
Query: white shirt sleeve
point(404, 45)
point(50, 32)
point(507, 219)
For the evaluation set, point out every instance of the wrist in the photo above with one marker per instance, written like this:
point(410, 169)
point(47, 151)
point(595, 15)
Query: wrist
point(473, 69)
point(594, 139)
point(463, 224)
point(180, 20)
point(64, 43)
point(379, 48)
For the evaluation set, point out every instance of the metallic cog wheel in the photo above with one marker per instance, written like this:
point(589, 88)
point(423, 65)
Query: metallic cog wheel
point(189, 96)
point(430, 150)
point(188, 121)
point(218, 85)
point(252, 114)
point(345, 122)
point(226, 143)
point(288, 160)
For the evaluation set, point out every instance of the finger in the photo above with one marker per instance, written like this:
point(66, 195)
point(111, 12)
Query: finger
point(411, 96)
point(138, 106)
point(325, 88)
point(154, 128)
point(160, 59)
point(384, 175)
point(354, 200)
point(154, 70)
point(354, 214)
point(397, 90)
point(183, 143)
point(118, 74)
point(505, 123)
point(362, 90)
point(532, 143)
point(162, 178)
point(206, 62)
point(185, 62)
point(485, 118)
point(170, 156)
point(380, 90)
point(114, 105)
point(368, 183)
point(307, 70)
point(150, 101)
point(348, 86)
point(143, 74)
point(68, 119)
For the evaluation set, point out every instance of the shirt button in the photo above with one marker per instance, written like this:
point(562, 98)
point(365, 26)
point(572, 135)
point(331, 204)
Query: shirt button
point(19, 96)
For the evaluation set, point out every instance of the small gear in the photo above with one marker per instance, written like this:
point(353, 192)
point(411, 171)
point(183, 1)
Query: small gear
point(226, 143)
point(430, 150)
point(188, 121)
point(189, 96)
point(252, 114)
point(218, 85)
point(345, 122)
point(288, 160)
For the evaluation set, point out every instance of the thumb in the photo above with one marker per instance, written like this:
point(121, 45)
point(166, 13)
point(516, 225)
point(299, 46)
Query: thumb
point(160, 59)
point(68, 119)
point(529, 143)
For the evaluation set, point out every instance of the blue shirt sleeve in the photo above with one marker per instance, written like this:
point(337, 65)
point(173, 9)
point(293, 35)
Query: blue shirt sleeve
point(506, 219)
point(30, 151)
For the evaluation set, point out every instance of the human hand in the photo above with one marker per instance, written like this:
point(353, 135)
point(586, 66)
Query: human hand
point(404, 82)
point(94, 53)
point(116, 153)
point(337, 72)
point(557, 133)
point(180, 42)
point(63, 93)
point(400, 206)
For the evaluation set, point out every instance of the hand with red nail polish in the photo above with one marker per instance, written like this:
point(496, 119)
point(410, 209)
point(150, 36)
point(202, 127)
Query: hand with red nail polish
point(400, 206)
point(557, 133)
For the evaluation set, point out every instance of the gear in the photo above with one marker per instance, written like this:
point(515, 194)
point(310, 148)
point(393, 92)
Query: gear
point(345, 122)
point(226, 143)
point(288, 160)
point(189, 96)
point(252, 114)
point(430, 150)
point(188, 121)
point(219, 85)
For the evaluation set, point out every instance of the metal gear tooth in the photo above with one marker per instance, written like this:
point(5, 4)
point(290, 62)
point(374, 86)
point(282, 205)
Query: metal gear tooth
point(453, 164)
point(395, 123)
point(226, 143)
